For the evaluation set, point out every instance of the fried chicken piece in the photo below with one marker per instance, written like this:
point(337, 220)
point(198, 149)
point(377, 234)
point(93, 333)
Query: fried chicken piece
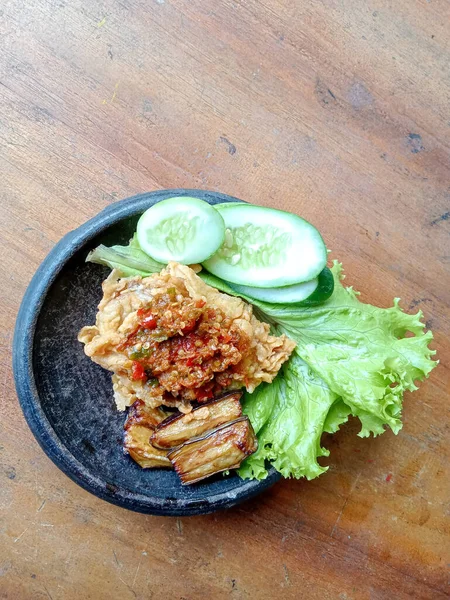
point(171, 339)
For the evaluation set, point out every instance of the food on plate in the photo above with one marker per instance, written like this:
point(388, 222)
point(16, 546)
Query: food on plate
point(170, 339)
point(139, 426)
point(128, 260)
point(262, 316)
point(182, 229)
point(307, 293)
point(173, 341)
point(177, 429)
point(265, 247)
point(219, 450)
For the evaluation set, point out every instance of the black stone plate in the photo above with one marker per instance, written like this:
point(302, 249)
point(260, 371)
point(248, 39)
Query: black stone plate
point(67, 399)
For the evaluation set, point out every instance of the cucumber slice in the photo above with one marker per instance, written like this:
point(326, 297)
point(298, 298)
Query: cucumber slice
point(267, 248)
point(307, 293)
point(281, 295)
point(323, 291)
point(186, 230)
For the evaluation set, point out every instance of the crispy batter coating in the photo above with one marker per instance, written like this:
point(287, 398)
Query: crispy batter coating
point(171, 339)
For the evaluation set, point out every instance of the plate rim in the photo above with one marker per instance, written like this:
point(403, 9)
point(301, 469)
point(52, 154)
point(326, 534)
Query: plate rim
point(26, 389)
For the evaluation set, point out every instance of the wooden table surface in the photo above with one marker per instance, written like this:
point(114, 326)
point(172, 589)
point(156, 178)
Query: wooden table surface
point(335, 109)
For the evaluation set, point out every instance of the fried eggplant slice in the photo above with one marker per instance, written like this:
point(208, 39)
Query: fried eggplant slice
point(139, 448)
point(177, 429)
point(219, 450)
point(139, 426)
point(140, 414)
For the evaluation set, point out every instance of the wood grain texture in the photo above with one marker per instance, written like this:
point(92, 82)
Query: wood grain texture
point(335, 109)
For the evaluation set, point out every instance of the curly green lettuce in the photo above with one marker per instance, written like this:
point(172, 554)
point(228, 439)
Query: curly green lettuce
point(289, 417)
point(357, 359)
point(129, 260)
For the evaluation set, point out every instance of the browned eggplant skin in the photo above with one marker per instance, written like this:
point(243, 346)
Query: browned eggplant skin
point(146, 462)
point(139, 426)
point(198, 458)
point(140, 414)
point(178, 429)
point(236, 393)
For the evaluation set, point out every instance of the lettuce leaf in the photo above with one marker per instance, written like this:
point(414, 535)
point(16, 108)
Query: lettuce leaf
point(366, 355)
point(289, 417)
point(128, 260)
point(351, 358)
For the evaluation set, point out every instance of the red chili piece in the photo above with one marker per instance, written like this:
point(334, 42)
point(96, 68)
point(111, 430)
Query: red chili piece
point(146, 319)
point(138, 372)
